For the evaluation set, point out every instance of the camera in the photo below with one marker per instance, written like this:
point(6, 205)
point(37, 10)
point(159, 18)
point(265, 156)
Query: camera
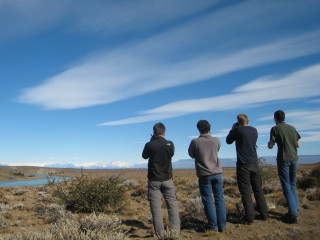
point(152, 137)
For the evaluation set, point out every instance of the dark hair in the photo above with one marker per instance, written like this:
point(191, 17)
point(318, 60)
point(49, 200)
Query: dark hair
point(203, 126)
point(280, 115)
point(159, 129)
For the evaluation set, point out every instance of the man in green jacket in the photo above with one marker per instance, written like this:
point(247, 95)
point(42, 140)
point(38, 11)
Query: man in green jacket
point(287, 139)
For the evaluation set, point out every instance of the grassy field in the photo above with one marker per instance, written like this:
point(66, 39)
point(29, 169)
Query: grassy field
point(36, 211)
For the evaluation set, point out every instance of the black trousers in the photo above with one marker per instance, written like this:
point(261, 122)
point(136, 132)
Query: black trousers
point(248, 176)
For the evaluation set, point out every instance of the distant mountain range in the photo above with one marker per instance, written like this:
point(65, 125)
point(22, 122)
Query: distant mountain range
point(185, 163)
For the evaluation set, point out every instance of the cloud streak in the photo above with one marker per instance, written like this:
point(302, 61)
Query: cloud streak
point(261, 91)
point(123, 73)
point(26, 18)
point(199, 48)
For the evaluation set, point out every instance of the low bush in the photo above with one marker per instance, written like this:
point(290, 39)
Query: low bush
point(194, 208)
point(18, 174)
point(313, 194)
point(93, 227)
point(169, 234)
point(55, 212)
point(87, 194)
point(130, 184)
point(140, 192)
point(19, 192)
point(4, 208)
point(271, 185)
point(267, 171)
point(229, 181)
point(232, 191)
point(310, 180)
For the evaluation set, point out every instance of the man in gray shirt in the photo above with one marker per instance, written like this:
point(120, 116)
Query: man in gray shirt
point(209, 171)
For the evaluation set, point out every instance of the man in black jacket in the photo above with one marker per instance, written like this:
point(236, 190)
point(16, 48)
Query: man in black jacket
point(248, 174)
point(160, 151)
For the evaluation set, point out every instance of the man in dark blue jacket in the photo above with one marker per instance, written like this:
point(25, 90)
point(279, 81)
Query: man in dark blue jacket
point(248, 174)
point(160, 151)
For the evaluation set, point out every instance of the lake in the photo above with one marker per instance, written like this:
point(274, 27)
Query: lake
point(33, 182)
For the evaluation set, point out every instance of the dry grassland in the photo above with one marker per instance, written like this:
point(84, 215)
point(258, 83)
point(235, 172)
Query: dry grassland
point(33, 209)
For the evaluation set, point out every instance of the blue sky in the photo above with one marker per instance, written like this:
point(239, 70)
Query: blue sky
point(83, 82)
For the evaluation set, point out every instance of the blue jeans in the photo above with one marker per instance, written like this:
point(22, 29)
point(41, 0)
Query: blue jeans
point(216, 213)
point(287, 171)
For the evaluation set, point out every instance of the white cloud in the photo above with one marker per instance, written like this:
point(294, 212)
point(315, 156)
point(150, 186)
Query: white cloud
point(306, 122)
point(290, 87)
point(302, 119)
point(311, 136)
point(199, 48)
point(104, 164)
point(125, 73)
point(139, 15)
point(31, 164)
point(314, 100)
point(21, 18)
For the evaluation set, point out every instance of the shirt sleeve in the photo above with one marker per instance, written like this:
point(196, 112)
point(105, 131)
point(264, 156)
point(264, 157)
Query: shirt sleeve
point(231, 137)
point(145, 152)
point(171, 149)
point(191, 149)
point(298, 136)
point(273, 134)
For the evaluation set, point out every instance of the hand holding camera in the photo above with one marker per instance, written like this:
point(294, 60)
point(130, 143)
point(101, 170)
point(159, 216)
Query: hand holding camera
point(235, 125)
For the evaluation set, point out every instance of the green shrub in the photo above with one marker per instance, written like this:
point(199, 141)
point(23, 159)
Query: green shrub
point(18, 174)
point(87, 194)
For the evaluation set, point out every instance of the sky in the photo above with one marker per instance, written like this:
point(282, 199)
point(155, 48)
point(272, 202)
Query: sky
point(83, 82)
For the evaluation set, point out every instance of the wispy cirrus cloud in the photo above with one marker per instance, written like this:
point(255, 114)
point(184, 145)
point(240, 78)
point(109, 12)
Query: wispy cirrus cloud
point(124, 73)
point(25, 18)
point(261, 91)
point(199, 48)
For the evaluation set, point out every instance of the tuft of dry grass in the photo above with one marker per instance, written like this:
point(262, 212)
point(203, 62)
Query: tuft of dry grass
point(194, 208)
point(232, 191)
point(140, 191)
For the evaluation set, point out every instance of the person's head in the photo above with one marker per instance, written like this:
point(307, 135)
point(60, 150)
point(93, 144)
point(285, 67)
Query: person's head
point(203, 126)
point(159, 129)
point(243, 119)
point(279, 116)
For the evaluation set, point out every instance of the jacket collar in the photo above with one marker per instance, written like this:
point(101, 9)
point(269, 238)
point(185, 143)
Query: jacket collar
point(206, 135)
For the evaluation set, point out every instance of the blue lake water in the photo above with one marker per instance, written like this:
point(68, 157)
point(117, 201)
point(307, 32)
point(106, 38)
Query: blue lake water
point(33, 182)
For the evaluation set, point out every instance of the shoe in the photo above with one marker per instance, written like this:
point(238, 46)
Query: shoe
point(222, 230)
point(294, 219)
point(248, 222)
point(291, 219)
point(262, 218)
